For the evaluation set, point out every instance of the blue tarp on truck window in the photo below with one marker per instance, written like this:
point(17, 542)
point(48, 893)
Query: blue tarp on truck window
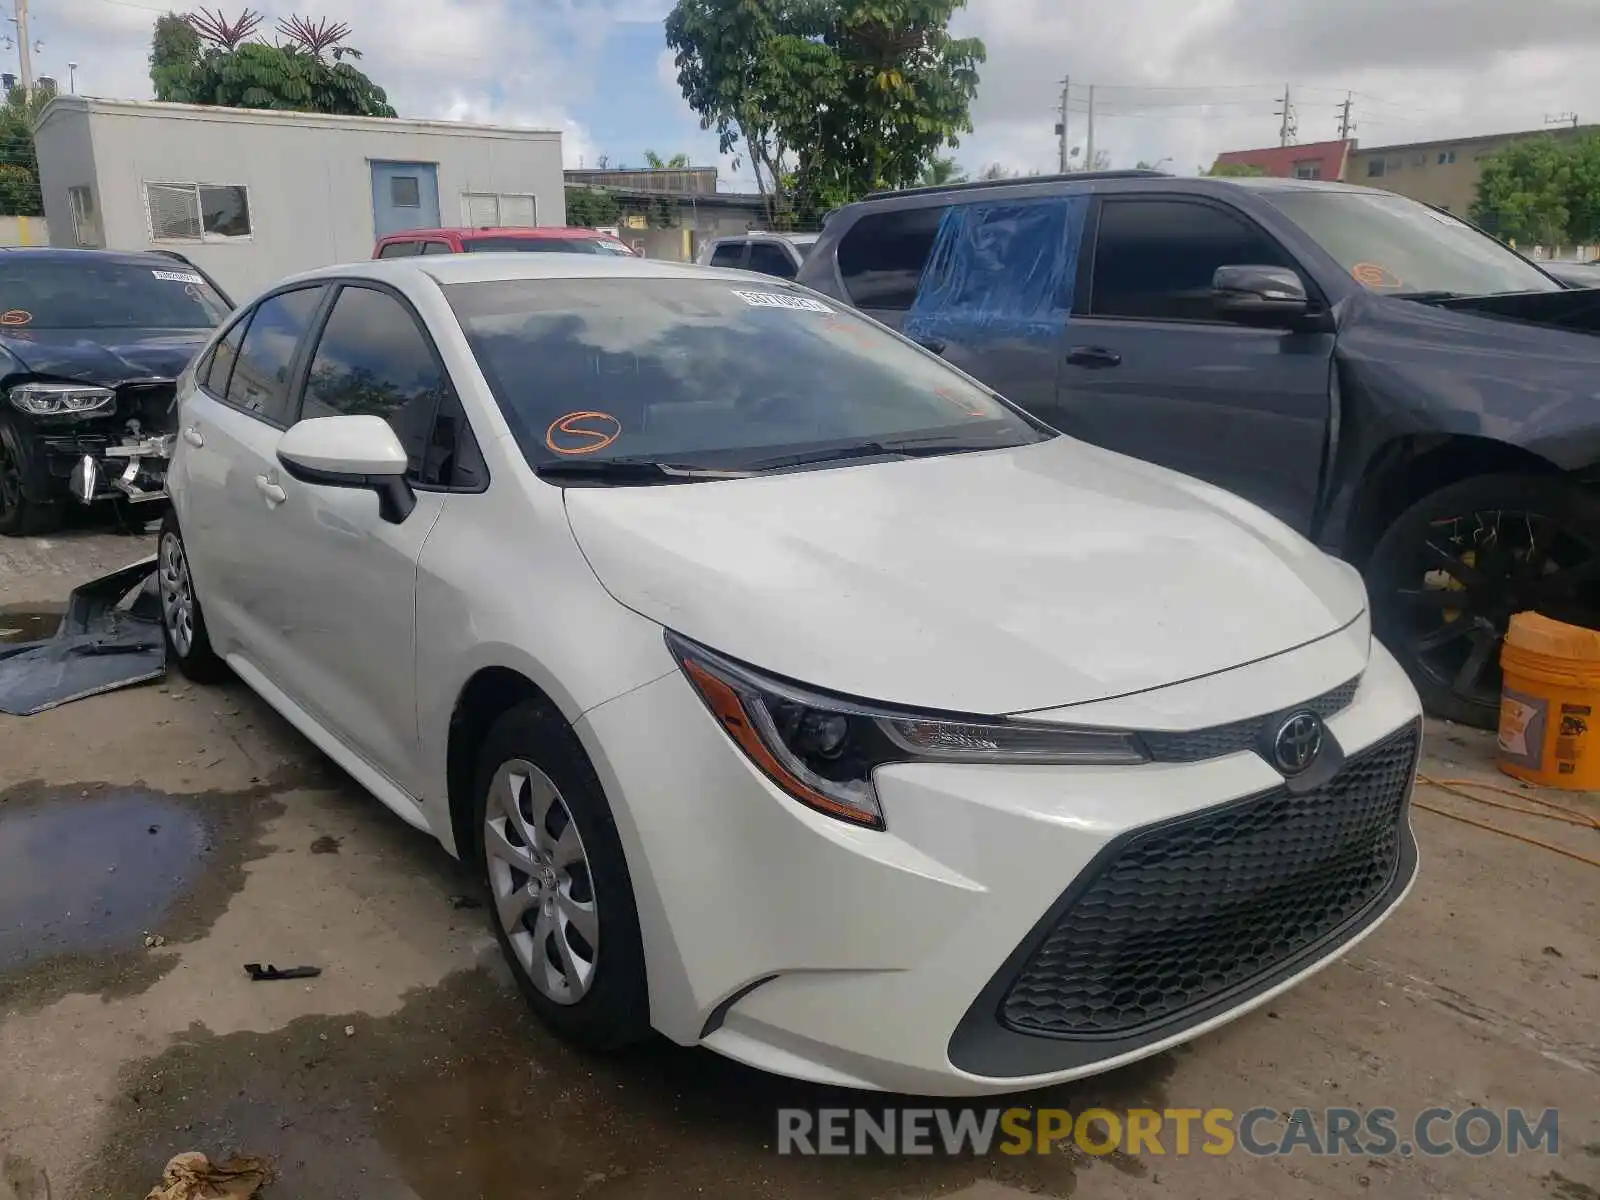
point(1000, 270)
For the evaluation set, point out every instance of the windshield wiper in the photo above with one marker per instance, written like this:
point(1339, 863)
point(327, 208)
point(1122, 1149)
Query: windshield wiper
point(630, 470)
point(911, 448)
point(1425, 297)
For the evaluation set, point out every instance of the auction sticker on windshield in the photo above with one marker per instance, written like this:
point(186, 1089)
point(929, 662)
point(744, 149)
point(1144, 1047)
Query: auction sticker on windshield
point(775, 300)
point(178, 276)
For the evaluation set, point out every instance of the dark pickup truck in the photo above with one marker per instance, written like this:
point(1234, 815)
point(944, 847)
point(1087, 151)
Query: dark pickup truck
point(1387, 379)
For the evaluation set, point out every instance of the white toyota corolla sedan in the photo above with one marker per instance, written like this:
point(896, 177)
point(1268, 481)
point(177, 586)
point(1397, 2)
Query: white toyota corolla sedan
point(794, 695)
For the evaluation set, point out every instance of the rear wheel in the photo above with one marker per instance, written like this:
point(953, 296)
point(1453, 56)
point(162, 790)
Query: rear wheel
point(1447, 576)
point(182, 623)
point(561, 900)
point(22, 514)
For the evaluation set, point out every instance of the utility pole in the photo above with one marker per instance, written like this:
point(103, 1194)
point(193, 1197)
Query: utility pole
point(1061, 126)
point(1286, 130)
point(1088, 146)
point(24, 46)
point(1346, 125)
point(1562, 119)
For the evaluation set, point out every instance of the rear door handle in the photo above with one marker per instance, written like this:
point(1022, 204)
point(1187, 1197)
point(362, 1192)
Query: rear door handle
point(269, 488)
point(192, 436)
point(1093, 356)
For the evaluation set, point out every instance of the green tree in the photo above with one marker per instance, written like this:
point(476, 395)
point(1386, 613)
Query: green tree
point(19, 164)
point(831, 99)
point(307, 73)
point(591, 207)
point(1232, 170)
point(678, 162)
point(1524, 192)
point(1583, 197)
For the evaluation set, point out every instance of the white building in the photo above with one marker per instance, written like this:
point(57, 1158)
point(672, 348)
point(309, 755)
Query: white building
point(252, 195)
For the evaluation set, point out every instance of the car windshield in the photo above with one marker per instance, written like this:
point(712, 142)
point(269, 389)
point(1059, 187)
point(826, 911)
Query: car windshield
point(548, 245)
point(699, 372)
point(1397, 246)
point(97, 293)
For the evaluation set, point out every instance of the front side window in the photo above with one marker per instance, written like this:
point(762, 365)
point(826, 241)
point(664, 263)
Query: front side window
point(1156, 259)
point(882, 256)
point(94, 292)
point(532, 245)
point(1396, 246)
point(373, 359)
point(197, 212)
point(259, 382)
point(730, 375)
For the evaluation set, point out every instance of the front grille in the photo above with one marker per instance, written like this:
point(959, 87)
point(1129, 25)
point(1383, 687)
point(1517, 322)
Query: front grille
point(1199, 744)
point(1188, 911)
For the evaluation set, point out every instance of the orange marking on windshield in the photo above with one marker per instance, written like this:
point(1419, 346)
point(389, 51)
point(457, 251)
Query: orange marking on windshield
point(16, 316)
point(1375, 275)
point(582, 432)
point(964, 403)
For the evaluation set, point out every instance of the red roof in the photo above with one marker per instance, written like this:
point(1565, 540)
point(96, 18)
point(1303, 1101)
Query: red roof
point(1288, 162)
point(511, 231)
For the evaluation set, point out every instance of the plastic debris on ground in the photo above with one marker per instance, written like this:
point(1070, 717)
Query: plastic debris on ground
point(109, 638)
point(193, 1176)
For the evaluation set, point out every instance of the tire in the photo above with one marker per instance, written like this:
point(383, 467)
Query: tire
point(23, 511)
point(574, 894)
point(1500, 544)
point(183, 624)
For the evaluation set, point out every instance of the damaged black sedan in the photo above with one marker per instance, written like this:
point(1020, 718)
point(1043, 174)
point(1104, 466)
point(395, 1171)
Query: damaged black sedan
point(91, 345)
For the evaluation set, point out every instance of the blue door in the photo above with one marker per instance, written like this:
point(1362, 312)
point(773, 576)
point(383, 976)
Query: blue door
point(405, 195)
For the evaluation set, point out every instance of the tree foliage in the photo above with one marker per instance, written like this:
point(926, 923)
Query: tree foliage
point(1543, 191)
point(592, 207)
point(19, 164)
point(219, 66)
point(940, 170)
point(1234, 170)
point(678, 162)
point(826, 99)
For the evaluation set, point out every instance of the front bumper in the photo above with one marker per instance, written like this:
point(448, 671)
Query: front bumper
point(891, 960)
point(122, 454)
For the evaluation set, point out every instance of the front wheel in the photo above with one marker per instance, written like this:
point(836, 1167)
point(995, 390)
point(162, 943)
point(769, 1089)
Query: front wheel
point(183, 625)
point(22, 511)
point(1451, 570)
point(561, 900)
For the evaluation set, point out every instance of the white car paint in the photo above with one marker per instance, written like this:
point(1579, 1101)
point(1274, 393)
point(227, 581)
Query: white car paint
point(1055, 578)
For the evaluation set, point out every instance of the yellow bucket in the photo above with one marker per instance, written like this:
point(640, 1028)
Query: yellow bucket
point(1549, 702)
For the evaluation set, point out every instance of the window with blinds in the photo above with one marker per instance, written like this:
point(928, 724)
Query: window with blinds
point(498, 210)
point(193, 212)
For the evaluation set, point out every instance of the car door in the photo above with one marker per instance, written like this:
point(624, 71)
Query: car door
point(1151, 369)
point(349, 619)
point(231, 489)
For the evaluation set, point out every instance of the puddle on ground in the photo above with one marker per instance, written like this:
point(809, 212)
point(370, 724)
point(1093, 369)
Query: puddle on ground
point(92, 876)
point(461, 1095)
point(18, 625)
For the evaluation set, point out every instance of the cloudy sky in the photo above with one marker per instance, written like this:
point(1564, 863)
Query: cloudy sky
point(1175, 80)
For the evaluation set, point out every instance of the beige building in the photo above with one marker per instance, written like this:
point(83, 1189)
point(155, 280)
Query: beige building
point(1443, 173)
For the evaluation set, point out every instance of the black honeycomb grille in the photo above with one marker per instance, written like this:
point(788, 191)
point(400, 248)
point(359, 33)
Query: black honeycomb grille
point(1199, 744)
point(1187, 912)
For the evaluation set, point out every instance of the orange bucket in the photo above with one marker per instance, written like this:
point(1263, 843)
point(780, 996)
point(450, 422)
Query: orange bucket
point(1549, 703)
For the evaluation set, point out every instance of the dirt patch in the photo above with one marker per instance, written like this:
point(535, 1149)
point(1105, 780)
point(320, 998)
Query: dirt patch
point(461, 1094)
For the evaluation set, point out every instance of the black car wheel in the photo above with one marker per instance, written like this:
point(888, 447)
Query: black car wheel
point(21, 512)
point(1447, 576)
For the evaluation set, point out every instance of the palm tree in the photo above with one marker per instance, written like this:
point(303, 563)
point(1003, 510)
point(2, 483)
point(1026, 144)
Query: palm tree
point(678, 162)
point(939, 171)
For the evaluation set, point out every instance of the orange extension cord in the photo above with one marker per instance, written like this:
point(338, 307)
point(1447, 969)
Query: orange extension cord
point(1568, 816)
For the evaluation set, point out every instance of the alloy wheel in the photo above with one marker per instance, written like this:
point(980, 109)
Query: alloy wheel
point(1472, 573)
point(177, 594)
point(541, 883)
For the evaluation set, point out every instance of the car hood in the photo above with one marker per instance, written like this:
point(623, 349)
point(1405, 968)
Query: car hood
point(994, 582)
point(106, 357)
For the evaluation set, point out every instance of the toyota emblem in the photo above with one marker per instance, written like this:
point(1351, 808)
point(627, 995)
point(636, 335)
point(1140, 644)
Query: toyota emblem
point(1297, 743)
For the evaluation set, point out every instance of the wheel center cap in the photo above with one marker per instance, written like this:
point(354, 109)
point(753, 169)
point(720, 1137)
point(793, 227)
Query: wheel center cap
point(547, 877)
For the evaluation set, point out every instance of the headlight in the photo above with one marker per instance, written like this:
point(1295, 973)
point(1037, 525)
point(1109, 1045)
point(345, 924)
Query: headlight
point(54, 399)
point(822, 750)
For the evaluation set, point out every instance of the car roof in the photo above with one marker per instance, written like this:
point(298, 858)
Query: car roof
point(140, 258)
point(447, 269)
point(511, 231)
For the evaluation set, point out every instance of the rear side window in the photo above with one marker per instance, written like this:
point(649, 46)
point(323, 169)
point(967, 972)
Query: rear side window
point(214, 375)
point(1155, 259)
point(771, 260)
point(373, 358)
point(400, 249)
point(882, 255)
point(436, 247)
point(259, 384)
point(728, 254)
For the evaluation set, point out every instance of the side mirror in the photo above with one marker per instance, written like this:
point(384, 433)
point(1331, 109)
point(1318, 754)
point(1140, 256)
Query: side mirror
point(351, 452)
point(1260, 295)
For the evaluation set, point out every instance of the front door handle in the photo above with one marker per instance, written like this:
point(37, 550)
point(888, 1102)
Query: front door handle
point(1093, 357)
point(192, 436)
point(269, 488)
